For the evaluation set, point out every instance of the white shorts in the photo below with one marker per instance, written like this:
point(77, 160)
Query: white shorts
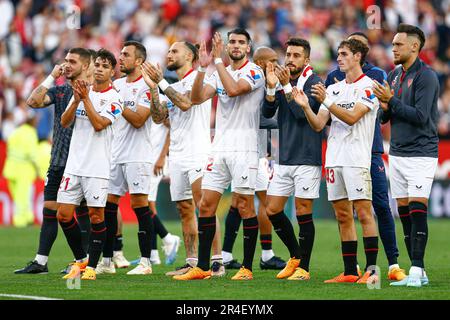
point(182, 175)
point(74, 188)
point(154, 182)
point(133, 177)
point(302, 180)
point(411, 176)
point(350, 183)
point(264, 175)
point(238, 168)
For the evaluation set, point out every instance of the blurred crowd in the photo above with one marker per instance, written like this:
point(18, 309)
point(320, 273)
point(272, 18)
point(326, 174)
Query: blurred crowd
point(36, 34)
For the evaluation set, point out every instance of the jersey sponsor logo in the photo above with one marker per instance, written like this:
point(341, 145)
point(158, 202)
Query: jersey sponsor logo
point(148, 94)
point(135, 90)
point(82, 112)
point(128, 103)
point(221, 91)
point(102, 102)
point(347, 106)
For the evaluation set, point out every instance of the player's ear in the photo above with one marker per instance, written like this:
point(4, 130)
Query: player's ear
point(307, 60)
point(112, 72)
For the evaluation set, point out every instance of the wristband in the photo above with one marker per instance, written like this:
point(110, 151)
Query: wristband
point(218, 60)
point(327, 103)
point(270, 91)
point(163, 84)
point(201, 69)
point(48, 82)
point(287, 88)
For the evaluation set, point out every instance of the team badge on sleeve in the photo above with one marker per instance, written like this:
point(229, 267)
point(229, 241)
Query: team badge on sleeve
point(368, 95)
point(116, 108)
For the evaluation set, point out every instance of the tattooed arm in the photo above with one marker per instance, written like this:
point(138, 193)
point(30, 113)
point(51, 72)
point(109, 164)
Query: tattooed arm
point(158, 109)
point(38, 97)
point(182, 101)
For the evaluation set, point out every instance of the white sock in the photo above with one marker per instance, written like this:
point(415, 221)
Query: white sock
point(82, 260)
point(393, 266)
point(424, 273)
point(106, 261)
point(89, 268)
point(167, 239)
point(192, 262)
point(217, 257)
point(145, 262)
point(266, 255)
point(42, 260)
point(227, 256)
point(154, 254)
point(415, 271)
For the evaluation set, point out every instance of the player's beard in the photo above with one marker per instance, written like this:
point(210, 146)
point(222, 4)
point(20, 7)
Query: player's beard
point(127, 70)
point(174, 66)
point(296, 71)
point(75, 75)
point(236, 58)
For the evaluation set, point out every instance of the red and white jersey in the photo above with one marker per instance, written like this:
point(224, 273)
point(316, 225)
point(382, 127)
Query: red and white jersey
point(158, 134)
point(190, 136)
point(237, 118)
point(131, 144)
point(90, 151)
point(351, 146)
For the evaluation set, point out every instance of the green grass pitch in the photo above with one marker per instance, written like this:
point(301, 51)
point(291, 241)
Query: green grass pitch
point(17, 246)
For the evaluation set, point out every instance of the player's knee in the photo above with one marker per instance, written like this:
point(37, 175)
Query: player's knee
point(185, 211)
point(343, 217)
point(96, 215)
point(64, 216)
point(365, 217)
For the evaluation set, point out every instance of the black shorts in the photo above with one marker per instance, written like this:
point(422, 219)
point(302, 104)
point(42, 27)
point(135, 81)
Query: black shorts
point(52, 182)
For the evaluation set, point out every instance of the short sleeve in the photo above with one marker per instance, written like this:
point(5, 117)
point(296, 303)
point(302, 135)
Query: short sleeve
point(212, 80)
point(367, 98)
point(145, 98)
point(254, 76)
point(113, 109)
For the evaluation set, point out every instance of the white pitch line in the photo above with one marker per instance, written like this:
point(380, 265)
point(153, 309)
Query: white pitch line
point(18, 296)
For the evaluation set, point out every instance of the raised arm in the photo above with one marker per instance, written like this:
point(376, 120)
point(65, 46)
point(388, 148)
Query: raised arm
point(232, 87)
point(200, 92)
point(38, 97)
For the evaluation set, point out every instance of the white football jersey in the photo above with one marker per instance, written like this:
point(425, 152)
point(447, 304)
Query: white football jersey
point(90, 151)
point(351, 146)
point(190, 137)
point(131, 144)
point(158, 134)
point(237, 118)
